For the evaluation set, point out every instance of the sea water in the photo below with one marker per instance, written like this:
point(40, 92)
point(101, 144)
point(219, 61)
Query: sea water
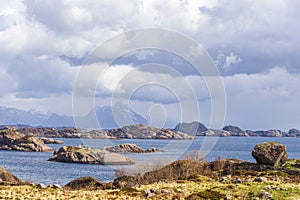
point(33, 166)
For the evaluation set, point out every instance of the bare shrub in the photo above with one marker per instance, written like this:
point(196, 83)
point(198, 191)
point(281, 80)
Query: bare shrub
point(195, 156)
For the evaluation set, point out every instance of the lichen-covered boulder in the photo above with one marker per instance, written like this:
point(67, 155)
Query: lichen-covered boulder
point(270, 153)
point(7, 178)
point(127, 181)
point(86, 182)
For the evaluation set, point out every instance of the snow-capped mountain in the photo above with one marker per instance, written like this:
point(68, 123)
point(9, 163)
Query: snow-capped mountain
point(104, 117)
point(10, 116)
point(112, 117)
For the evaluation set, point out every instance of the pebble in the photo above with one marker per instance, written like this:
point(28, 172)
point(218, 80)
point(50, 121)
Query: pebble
point(165, 191)
point(260, 179)
point(237, 180)
point(41, 186)
point(56, 186)
point(272, 187)
point(147, 193)
point(154, 190)
point(265, 195)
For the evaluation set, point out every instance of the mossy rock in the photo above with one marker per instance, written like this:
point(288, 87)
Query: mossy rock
point(211, 194)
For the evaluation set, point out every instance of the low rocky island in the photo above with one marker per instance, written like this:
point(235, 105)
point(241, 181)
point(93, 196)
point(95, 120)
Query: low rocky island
point(13, 140)
point(199, 129)
point(130, 148)
point(83, 155)
point(135, 131)
point(51, 141)
point(182, 131)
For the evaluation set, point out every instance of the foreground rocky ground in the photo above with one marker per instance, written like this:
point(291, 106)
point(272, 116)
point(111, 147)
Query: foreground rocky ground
point(210, 184)
point(274, 176)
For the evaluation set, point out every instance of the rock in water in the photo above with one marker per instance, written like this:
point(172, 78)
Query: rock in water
point(129, 148)
point(51, 141)
point(72, 154)
point(13, 140)
point(270, 153)
point(86, 182)
point(7, 178)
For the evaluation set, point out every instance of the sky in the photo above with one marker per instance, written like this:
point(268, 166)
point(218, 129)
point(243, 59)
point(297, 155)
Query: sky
point(254, 45)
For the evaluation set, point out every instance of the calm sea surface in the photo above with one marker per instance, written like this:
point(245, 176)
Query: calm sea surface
point(33, 166)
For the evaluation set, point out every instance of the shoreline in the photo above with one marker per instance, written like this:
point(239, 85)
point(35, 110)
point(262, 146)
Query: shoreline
point(221, 180)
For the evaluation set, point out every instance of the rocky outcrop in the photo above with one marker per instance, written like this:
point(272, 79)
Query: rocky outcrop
point(270, 153)
point(52, 132)
point(7, 178)
point(86, 182)
point(141, 131)
point(193, 128)
point(129, 148)
point(126, 181)
point(235, 131)
point(136, 131)
point(273, 133)
point(293, 133)
point(13, 140)
point(72, 154)
point(51, 141)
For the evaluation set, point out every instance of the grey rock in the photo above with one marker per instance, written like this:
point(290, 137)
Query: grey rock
point(127, 181)
point(235, 131)
point(270, 153)
point(7, 178)
point(273, 133)
point(193, 128)
point(154, 190)
point(72, 154)
point(260, 179)
point(41, 186)
point(13, 140)
point(272, 187)
point(228, 197)
point(294, 133)
point(165, 191)
point(86, 182)
point(57, 186)
point(141, 131)
point(247, 180)
point(237, 180)
point(264, 195)
point(224, 179)
point(51, 141)
point(147, 194)
point(129, 148)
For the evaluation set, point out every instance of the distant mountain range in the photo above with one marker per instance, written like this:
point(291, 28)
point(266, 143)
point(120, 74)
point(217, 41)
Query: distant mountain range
point(107, 117)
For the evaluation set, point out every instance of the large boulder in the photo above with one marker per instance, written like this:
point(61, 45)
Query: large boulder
point(13, 140)
point(128, 181)
point(86, 182)
point(130, 148)
point(270, 153)
point(72, 154)
point(7, 178)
